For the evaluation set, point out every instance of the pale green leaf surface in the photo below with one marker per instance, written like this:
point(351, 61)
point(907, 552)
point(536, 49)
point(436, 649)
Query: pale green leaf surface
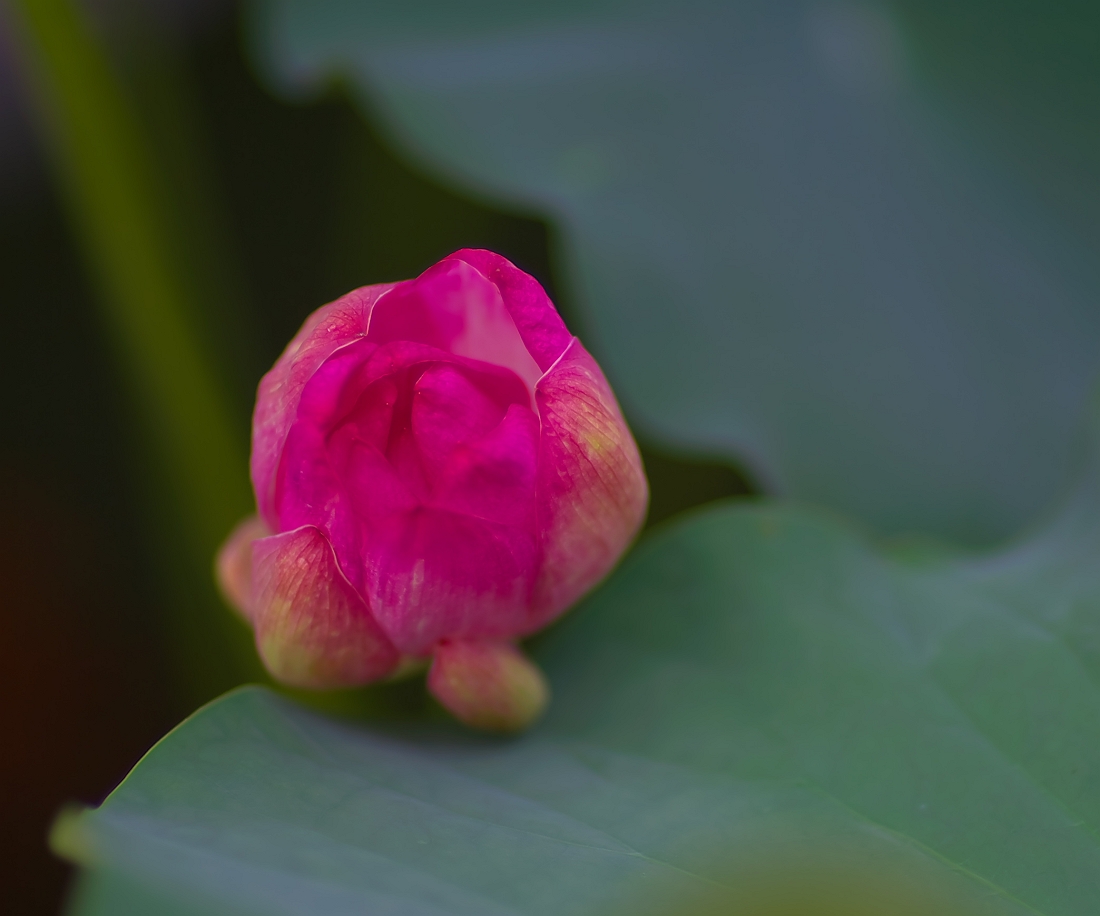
point(756, 687)
point(787, 245)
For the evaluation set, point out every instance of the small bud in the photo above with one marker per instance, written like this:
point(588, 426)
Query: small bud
point(491, 686)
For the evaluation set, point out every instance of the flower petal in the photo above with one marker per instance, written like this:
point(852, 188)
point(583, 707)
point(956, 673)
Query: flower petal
point(540, 327)
point(490, 686)
point(322, 334)
point(433, 574)
point(494, 477)
point(454, 307)
point(453, 408)
point(233, 564)
point(312, 627)
point(592, 491)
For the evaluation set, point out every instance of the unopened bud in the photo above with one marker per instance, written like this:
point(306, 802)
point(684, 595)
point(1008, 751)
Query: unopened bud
point(491, 686)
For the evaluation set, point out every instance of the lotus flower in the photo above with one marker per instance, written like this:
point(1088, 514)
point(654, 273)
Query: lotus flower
point(440, 469)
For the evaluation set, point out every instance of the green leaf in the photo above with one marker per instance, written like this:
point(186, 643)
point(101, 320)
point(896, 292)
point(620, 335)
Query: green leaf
point(757, 691)
point(790, 242)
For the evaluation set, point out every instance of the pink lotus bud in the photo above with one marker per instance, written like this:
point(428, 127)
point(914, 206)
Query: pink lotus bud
point(443, 465)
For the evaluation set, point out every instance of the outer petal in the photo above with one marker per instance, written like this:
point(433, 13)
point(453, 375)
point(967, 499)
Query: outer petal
point(233, 564)
point(592, 490)
point(323, 332)
point(538, 322)
point(312, 628)
point(433, 574)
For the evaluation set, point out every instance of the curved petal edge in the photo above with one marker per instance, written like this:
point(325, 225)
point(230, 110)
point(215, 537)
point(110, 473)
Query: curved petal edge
point(280, 390)
point(592, 489)
point(312, 628)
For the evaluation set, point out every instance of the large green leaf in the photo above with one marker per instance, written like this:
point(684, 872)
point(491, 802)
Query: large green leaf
point(790, 242)
point(758, 689)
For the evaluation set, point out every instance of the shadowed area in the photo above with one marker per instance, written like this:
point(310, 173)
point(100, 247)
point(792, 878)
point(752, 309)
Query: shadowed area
point(678, 482)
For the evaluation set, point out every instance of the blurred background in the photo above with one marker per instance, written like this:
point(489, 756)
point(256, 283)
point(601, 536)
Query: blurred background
point(875, 226)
